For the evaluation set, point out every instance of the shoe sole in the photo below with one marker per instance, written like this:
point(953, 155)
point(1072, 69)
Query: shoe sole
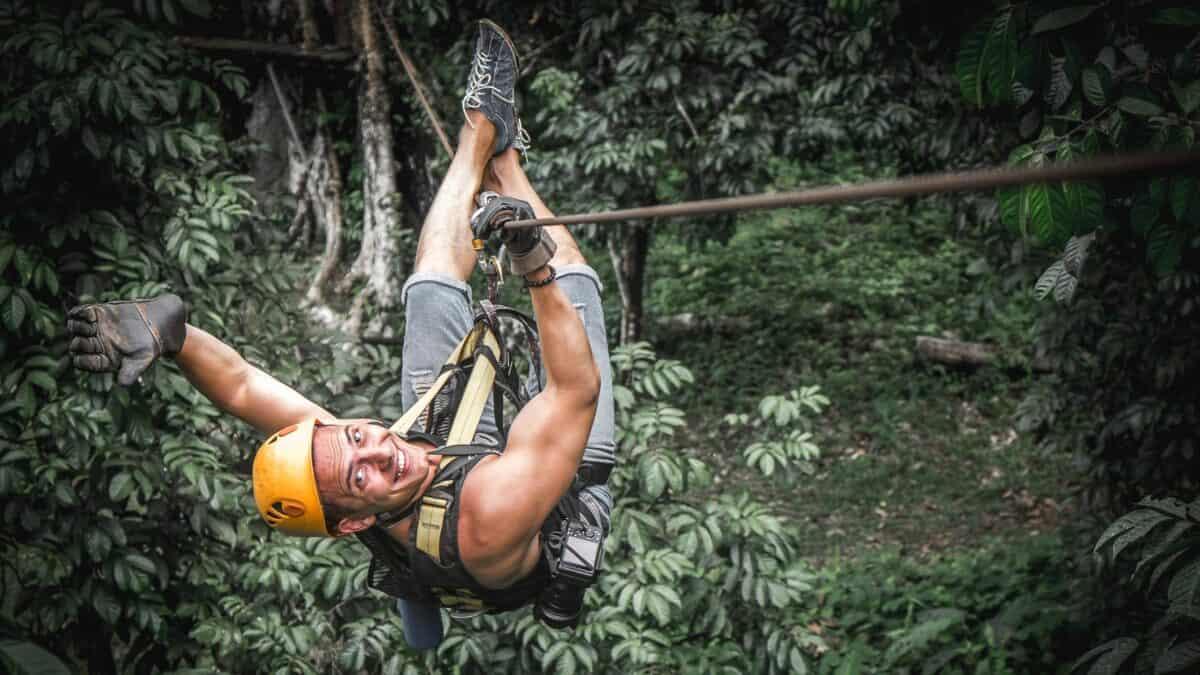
point(507, 40)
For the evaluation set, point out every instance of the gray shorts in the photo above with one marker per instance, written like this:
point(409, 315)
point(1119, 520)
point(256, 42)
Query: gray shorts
point(438, 313)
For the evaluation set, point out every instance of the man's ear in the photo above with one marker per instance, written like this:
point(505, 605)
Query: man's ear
point(353, 524)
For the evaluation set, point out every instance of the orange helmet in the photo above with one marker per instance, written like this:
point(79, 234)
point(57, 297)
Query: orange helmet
point(285, 485)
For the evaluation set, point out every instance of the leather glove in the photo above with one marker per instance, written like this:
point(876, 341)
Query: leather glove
point(127, 335)
point(529, 248)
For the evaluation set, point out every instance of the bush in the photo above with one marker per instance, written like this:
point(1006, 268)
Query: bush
point(1001, 609)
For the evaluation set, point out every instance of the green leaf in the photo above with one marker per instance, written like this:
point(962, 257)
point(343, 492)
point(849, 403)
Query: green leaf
point(1009, 203)
point(1163, 249)
point(1141, 107)
point(1176, 16)
point(1181, 657)
point(106, 605)
point(42, 380)
point(30, 659)
point(201, 8)
point(1181, 193)
point(1112, 655)
point(1059, 90)
point(1188, 96)
point(1085, 206)
point(970, 65)
point(1048, 214)
point(552, 655)
point(1141, 523)
point(120, 486)
point(1000, 56)
point(89, 141)
point(1048, 280)
point(14, 312)
point(1061, 18)
point(1183, 593)
point(141, 562)
point(98, 544)
point(1144, 215)
point(1075, 254)
point(1096, 83)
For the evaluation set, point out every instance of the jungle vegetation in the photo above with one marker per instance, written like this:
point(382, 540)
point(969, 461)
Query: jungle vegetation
point(797, 491)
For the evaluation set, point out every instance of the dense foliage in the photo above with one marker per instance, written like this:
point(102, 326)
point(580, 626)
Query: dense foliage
point(1087, 80)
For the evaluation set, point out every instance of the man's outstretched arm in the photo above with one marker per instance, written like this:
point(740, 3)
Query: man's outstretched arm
point(128, 336)
point(220, 373)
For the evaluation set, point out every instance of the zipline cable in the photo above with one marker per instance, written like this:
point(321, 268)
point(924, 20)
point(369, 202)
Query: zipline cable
point(955, 181)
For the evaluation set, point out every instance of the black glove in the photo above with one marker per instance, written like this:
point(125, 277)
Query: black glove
point(529, 248)
point(127, 335)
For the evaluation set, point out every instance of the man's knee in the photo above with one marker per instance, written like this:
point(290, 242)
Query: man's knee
point(446, 257)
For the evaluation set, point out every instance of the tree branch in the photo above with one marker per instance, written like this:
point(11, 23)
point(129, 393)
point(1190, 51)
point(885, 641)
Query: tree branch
point(328, 55)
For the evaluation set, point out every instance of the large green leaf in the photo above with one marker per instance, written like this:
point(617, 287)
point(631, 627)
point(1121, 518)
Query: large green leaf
point(1059, 90)
point(1085, 206)
point(1061, 18)
point(971, 67)
point(1181, 657)
point(1183, 593)
point(1181, 194)
point(26, 658)
point(1187, 95)
point(1049, 280)
point(1096, 83)
point(1163, 249)
point(1176, 16)
point(1048, 214)
point(1000, 56)
point(14, 312)
point(1139, 104)
point(1106, 659)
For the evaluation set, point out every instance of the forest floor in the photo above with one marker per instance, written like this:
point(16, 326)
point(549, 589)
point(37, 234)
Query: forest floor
point(916, 457)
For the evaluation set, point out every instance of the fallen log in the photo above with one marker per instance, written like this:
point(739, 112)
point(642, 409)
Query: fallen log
point(972, 354)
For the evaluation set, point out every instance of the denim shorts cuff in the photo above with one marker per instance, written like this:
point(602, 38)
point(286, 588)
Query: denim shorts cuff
point(583, 270)
point(435, 278)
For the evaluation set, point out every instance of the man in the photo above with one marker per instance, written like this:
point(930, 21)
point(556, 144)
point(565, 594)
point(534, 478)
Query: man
point(319, 475)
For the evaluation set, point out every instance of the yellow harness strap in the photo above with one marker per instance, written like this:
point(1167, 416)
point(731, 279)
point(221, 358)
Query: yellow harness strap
point(462, 428)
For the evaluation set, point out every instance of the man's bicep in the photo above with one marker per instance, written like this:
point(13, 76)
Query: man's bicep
point(545, 446)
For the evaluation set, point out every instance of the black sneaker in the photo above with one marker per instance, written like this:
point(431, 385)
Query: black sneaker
point(492, 84)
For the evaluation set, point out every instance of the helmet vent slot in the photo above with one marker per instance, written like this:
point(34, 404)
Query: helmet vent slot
point(284, 509)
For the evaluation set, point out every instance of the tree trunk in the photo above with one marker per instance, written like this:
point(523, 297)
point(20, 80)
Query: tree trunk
point(269, 165)
point(629, 262)
point(377, 260)
point(325, 194)
point(324, 177)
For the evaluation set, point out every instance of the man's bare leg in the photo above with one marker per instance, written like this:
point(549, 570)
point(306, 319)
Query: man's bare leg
point(505, 176)
point(445, 244)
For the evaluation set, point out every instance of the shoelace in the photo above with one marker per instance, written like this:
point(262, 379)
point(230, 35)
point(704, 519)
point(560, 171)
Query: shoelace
point(522, 140)
point(479, 81)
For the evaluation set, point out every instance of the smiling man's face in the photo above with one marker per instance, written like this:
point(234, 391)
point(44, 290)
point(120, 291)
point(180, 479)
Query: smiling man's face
point(363, 469)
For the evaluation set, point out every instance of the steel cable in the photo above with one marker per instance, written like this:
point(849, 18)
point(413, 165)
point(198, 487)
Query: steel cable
point(958, 181)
